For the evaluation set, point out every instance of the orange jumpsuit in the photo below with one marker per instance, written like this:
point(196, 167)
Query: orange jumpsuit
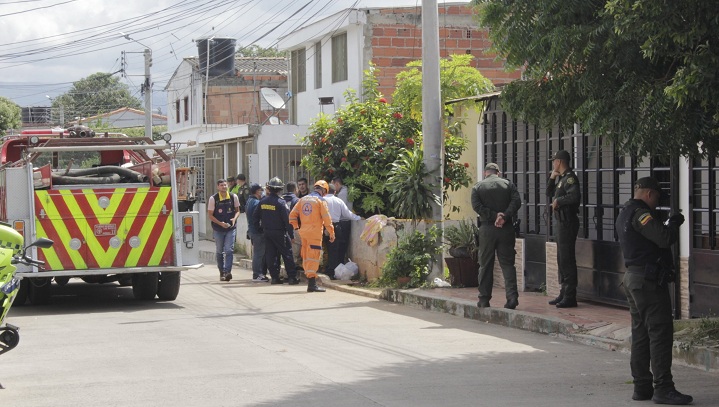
point(312, 214)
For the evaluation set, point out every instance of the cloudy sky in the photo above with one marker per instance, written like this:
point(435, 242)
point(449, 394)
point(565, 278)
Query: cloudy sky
point(46, 45)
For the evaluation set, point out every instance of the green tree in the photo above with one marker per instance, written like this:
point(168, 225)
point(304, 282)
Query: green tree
point(640, 73)
point(458, 79)
point(255, 50)
point(96, 94)
point(9, 115)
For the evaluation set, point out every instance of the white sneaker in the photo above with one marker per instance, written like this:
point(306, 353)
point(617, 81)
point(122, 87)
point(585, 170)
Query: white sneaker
point(260, 279)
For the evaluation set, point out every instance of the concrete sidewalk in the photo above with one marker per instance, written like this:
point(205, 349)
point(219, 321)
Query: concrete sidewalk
point(590, 323)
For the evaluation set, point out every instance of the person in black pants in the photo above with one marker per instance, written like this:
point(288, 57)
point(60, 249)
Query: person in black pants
point(272, 218)
point(563, 191)
point(646, 245)
point(342, 219)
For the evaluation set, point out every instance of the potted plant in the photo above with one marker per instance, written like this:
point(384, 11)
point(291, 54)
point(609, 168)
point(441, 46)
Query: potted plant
point(461, 240)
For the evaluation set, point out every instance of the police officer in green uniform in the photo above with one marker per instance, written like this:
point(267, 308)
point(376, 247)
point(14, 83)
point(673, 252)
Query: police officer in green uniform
point(496, 201)
point(645, 244)
point(563, 190)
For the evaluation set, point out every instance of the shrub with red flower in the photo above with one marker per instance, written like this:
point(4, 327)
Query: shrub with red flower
point(359, 143)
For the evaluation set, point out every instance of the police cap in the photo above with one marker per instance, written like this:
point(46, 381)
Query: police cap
point(648, 183)
point(491, 166)
point(254, 188)
point(561, 155)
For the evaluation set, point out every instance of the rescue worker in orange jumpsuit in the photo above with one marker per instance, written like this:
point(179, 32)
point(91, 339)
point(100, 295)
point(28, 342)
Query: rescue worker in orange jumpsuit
point(307, 218)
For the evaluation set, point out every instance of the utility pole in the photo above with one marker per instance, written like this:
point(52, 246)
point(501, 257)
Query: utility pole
point(432, 113)
point(148, 93)
point(207, 76)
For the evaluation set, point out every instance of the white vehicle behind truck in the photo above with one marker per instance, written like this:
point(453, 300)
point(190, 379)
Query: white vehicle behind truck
point(115, 212)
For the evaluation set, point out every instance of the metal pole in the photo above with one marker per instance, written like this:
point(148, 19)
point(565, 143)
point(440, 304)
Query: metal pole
point(207, 77)
point(148, 93)
point(432, 111)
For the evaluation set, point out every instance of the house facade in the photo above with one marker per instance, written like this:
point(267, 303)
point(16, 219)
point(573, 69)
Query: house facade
point(234, 128)
point(123, 118)
point(329, 56)
point(606, 176)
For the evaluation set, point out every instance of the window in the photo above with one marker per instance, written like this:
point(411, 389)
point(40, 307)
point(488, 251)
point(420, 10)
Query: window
point(187, 107)
point(299, 71)
point(318, 64)
point(339, 58)
point(177, 111)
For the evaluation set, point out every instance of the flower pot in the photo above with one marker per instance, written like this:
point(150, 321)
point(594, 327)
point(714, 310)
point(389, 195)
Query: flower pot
point(403, 281)
point(459, 252)
point(463, 271)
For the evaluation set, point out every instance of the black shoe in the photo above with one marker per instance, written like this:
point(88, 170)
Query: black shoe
point(567, 303)
point(228, 276)
point(293, 281)
point(223, 277)
point(672, 397)
point(511, 304)
point(312, 286)
point(556, 300)
point(483, 304)
point(275, 281)
point(641, 394)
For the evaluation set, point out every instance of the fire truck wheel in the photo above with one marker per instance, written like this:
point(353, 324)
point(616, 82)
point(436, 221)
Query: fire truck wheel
point(169, 285)
point(21, 296)
point(144, 286)
point(62, 281)
point(39, 291)
point(125, 280)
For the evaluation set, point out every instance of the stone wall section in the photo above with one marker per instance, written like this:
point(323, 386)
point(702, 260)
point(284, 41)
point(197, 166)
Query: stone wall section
point(683, 277)
point(518, 264)
point(552, 282)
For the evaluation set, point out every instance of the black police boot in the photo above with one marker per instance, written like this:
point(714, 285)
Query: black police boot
point(511, 304)
point(292, 281)
point(567, 303)
point(483, 304)
point(275, 280)
point(672, 397)
point(643, 393)
point(312, 286)
point(556, 300)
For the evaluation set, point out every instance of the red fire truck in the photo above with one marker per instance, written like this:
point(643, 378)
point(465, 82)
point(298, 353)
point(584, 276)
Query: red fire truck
point(118, 208)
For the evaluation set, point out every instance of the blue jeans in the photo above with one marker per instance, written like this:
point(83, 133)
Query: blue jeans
point(224, 247)
point(259, 266)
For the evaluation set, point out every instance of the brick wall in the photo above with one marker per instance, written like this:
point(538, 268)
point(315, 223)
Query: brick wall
point(237, 100)
point(394, 37)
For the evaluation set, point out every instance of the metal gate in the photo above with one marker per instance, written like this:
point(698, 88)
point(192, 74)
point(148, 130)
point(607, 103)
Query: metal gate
point(285, 163)
point(704, 257)
point(523, 152)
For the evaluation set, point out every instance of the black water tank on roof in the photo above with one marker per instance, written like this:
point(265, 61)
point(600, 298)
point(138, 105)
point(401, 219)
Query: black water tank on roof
point(222, 56)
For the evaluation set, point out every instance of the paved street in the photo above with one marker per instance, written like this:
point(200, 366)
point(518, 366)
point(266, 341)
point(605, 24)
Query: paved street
point(250, 344)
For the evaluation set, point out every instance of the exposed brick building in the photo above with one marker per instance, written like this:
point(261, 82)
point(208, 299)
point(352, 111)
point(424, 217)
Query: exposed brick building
point(329, 56)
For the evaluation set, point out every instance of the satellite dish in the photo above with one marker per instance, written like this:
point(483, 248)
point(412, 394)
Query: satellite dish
point(272, 98)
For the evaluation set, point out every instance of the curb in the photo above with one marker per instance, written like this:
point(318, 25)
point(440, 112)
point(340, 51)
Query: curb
point(703, 358)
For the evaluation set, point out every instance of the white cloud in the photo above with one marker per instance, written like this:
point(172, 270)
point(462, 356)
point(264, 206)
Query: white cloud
point(76, 39)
